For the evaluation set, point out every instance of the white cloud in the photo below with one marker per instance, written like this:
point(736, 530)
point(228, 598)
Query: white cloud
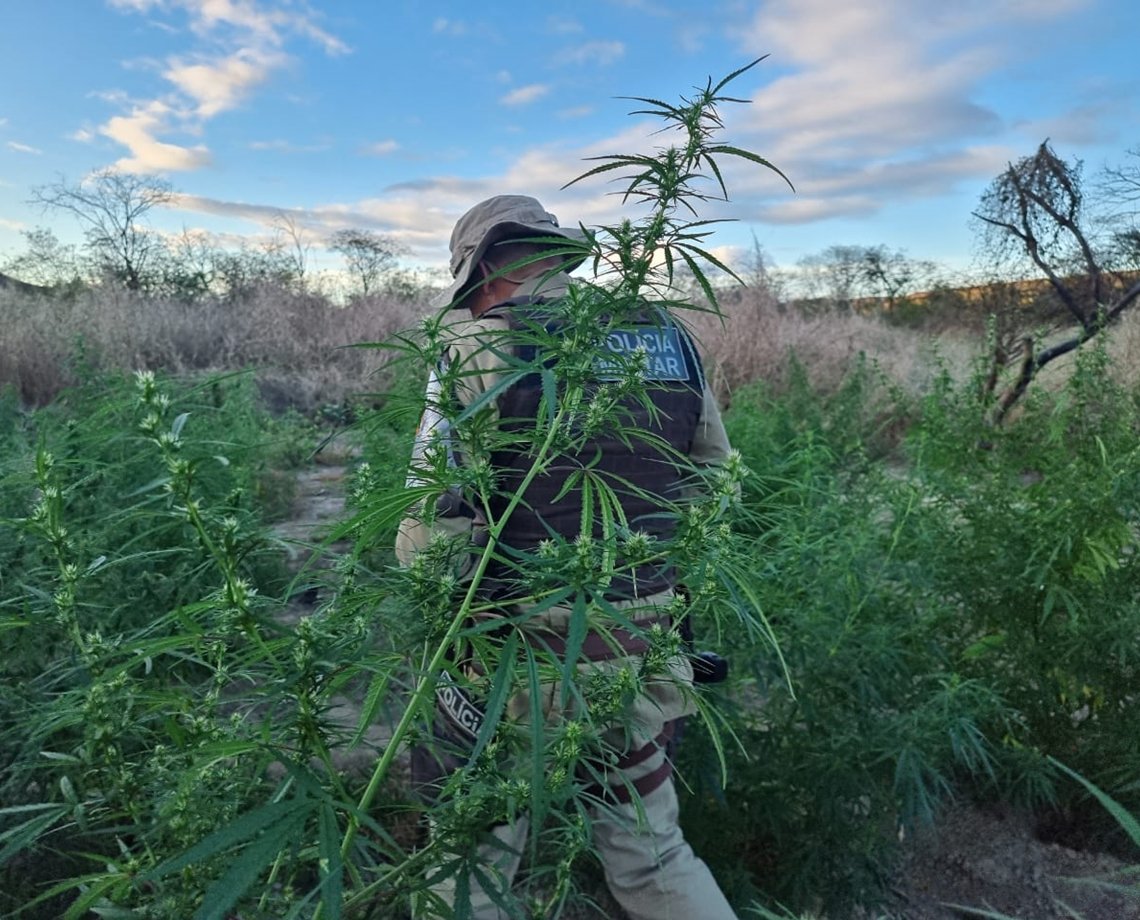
point(222, 84)
point(23, 148)
point(861, 106)
point(262, 214)
point(12, 224)
point(207, 82)
point(578, 111)
point(247, 16)
point(874, 102)
point(1083, 125)
point(110, 96)
point(525, 95)
point(138, 133)
point(137, 6)
point(453, 27)
point(562, 25)
point(595, 53)
point(82, 135)
point(381, 148)
point(283, 146)
point(691, 37)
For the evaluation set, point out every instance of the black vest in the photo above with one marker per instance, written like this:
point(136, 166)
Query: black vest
point(646, 476)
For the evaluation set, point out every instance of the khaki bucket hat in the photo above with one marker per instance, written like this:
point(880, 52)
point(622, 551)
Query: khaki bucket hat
point(504, 217)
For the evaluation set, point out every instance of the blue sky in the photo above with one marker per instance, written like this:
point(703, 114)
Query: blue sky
point(890, 116)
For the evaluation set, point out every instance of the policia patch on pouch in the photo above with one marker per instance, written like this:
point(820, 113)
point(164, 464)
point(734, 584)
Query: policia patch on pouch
point(465, 716)
point(454, 732)
point(662, 346)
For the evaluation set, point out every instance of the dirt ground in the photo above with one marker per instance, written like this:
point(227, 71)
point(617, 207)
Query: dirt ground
point(992, 862)
point(979, 863)
point(974, 863)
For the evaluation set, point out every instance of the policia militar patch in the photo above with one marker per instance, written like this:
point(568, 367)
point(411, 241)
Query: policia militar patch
point(663, 346)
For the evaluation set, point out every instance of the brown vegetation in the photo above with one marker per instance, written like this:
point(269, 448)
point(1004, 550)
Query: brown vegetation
point(757, 338)
point(298, 342)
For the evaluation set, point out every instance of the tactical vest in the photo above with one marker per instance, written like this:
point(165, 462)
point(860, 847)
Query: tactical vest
point(647, 479)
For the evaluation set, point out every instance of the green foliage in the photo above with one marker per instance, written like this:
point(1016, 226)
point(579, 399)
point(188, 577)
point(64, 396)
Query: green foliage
point(172, 740)
point(953, 617)
point(674, 182)
point(544, 757)
point(1037, 532)
point(876, 725)
point(132, 602)
point(948, 625)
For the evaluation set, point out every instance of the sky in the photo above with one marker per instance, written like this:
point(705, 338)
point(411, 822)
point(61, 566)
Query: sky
point(890, 117)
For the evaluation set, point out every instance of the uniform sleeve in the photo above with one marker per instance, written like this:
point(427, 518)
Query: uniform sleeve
point(710, 442)
point(474, 352)
point(477, 350)
point(417, 530)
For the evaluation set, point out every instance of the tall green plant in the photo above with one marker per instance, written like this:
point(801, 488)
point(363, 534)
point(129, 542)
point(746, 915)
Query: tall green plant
point(877, 728)
point(1038, 555)
point(130, 595)
point(192, 753)
point(539, 769)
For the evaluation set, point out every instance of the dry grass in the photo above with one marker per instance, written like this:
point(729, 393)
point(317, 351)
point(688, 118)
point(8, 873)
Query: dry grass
point(297, 342)
point(1124, 348)
point(758, 339)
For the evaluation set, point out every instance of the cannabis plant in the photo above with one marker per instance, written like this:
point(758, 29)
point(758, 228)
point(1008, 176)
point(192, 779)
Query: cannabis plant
point(184, 762)
point(543, 758)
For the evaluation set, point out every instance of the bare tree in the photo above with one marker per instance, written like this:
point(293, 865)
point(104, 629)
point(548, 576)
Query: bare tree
point(1119, 192)
point(46, 262)
point(292, 245)
point(758, 274)
point(1034, 210)
point(367, 255)
point(891, 274)
point(1122, 183)
point(112, 207)
point(834, 276)
point(191, 268)
point(842, 275)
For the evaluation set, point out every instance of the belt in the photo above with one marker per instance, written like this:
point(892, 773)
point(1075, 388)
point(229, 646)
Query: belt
point(598, 645)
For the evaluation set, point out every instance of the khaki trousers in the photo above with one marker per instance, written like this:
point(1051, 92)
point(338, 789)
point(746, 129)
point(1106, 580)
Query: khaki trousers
point(650, 869)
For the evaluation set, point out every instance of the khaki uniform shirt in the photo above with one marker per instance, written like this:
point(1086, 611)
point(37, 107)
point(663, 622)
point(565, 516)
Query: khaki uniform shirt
point(475, 347)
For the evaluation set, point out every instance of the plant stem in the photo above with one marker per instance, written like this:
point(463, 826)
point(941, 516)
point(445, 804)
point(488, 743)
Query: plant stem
point(427, 681)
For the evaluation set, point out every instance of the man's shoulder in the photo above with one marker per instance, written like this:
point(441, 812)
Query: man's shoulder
point(467, 328)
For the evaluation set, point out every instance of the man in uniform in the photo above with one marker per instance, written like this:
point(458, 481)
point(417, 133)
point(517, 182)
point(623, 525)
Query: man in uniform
point(510, 280)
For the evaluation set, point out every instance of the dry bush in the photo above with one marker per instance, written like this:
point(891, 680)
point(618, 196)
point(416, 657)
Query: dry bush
point(758, 339)
point(1122, 344)
point(1124, 348)
point(298, 343)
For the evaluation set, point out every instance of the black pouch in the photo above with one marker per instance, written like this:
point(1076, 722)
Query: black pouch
point(433, 762)
point(455, 727)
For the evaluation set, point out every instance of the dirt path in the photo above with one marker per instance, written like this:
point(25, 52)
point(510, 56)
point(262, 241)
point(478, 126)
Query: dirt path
point(318, 506)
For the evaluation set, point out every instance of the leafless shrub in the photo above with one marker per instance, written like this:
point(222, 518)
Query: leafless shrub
point(282, 334)
point(1124, 348)
point(758, 338)
point(300, 344)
